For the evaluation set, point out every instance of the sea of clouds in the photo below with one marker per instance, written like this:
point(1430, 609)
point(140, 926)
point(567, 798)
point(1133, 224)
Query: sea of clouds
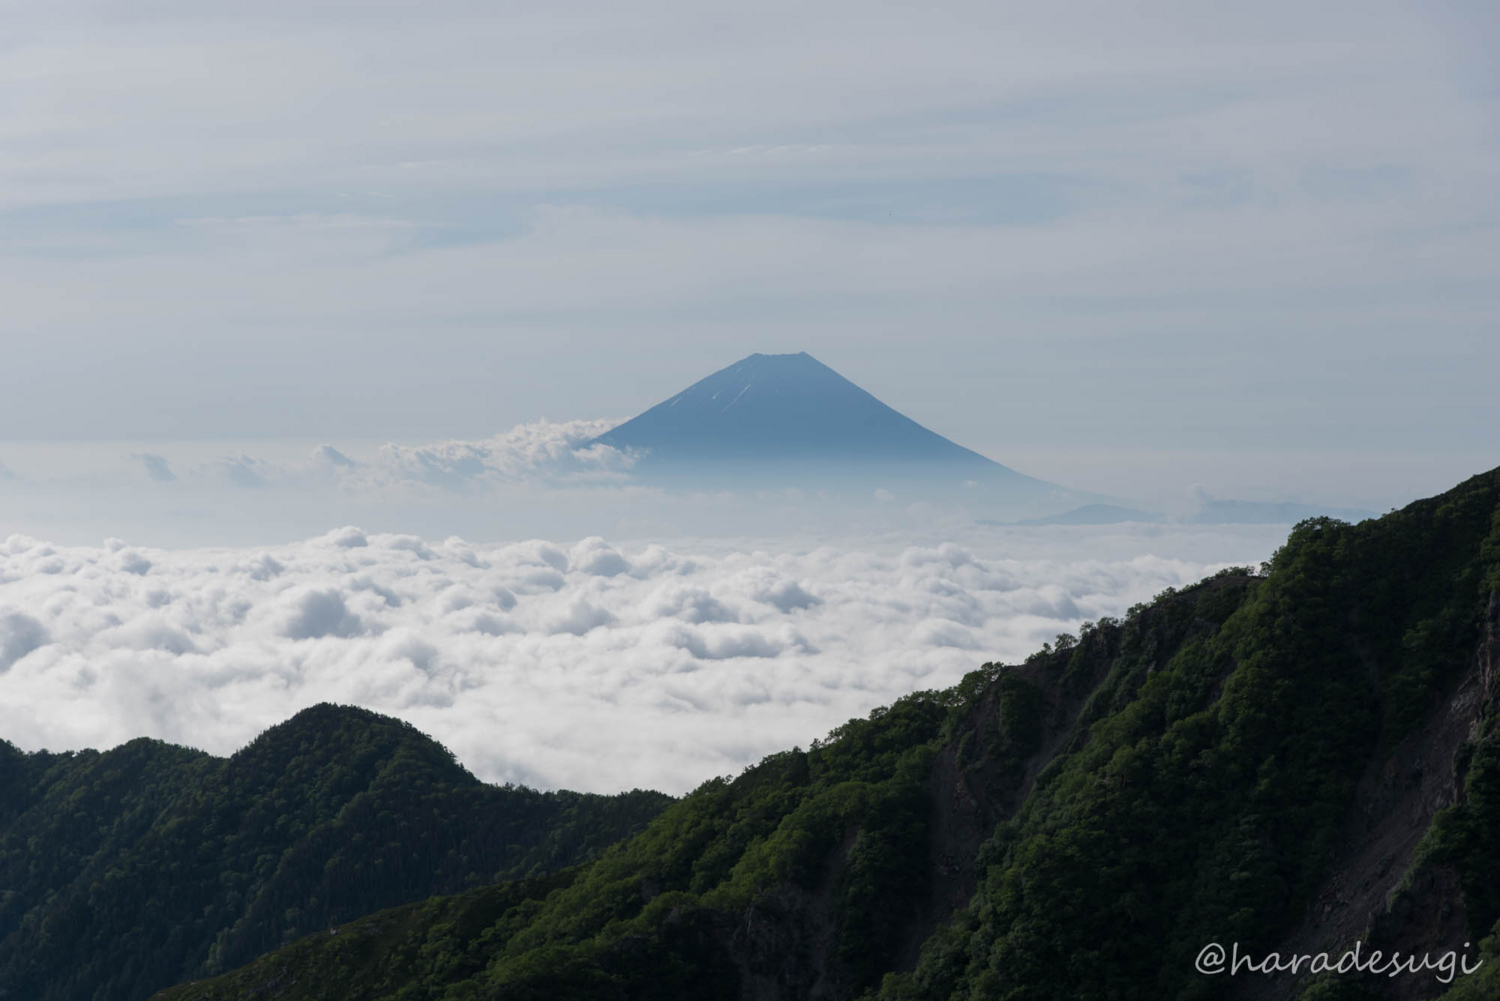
point(545, 479)
point(586, 665)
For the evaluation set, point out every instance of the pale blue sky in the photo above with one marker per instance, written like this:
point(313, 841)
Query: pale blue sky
point(1251, 233)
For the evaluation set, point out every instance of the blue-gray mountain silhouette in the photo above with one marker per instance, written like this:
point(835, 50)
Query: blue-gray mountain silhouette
point(789, 418)
point(1096, 514)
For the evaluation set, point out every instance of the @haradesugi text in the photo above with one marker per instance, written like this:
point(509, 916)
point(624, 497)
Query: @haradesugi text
point(1214, 959)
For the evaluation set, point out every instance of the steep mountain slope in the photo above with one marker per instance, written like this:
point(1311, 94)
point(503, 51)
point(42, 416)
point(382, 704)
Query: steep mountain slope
point(1079, 826)
point(124, 871)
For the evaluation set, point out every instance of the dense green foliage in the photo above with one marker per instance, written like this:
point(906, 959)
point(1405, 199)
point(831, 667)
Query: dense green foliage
point(409, 952)
point(762, 842)
point(653, 912)
point(1207, 804)
point(124, 871)
point(1179, 777)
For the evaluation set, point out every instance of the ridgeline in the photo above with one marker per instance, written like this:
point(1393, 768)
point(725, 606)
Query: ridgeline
point(125, 871)
point(1290, 758)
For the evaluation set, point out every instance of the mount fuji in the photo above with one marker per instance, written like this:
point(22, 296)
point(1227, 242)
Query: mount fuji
point(789, 420)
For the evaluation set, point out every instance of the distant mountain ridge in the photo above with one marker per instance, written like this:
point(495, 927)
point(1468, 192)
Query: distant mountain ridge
point(1096, 514)
point(1212, 512)
point(1240, 512)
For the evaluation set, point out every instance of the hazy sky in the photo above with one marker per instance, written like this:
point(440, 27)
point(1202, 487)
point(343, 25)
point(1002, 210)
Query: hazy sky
point(1074, 236)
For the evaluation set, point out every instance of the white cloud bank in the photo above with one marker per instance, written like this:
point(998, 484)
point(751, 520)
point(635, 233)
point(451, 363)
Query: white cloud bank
point(539, 453)
point(584, 666)
point(540, 478)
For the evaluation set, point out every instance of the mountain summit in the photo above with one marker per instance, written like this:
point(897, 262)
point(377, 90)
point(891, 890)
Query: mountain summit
point(790, 420)
point(783, 407)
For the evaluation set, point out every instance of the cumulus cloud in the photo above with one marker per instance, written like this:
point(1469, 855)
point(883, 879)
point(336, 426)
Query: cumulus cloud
point(347, 537)
point(317, 613)
point(156, 467)
point(245, 471)
point(328, 457)
point(540, 453)
point(546, 451)
point(587, 665)
point(19, 635)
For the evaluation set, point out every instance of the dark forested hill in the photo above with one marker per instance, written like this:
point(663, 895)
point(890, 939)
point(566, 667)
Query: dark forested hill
point(1289, 759)
point(124, 871)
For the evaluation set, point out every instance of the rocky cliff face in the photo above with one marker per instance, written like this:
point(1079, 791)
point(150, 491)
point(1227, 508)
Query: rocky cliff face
point(1375, 889)
point(1427, 911)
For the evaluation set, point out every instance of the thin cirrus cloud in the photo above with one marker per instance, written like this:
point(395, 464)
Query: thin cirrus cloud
point(586, 666)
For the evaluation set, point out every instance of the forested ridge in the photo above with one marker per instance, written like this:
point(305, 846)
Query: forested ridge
point(124, 871)
point(1288, 757)
point(1077, 826)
